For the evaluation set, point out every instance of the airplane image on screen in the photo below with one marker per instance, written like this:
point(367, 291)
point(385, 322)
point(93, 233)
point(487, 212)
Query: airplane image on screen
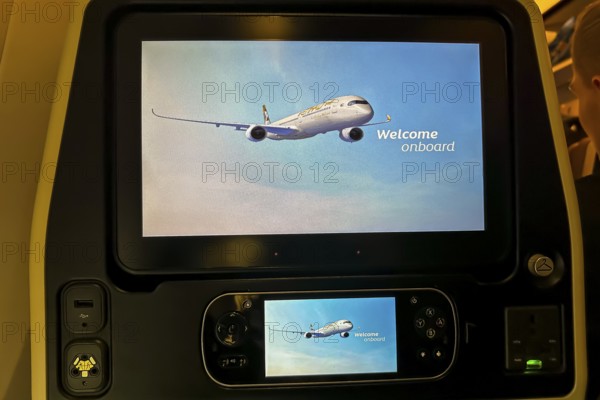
point(342, 327)
point(346, 114)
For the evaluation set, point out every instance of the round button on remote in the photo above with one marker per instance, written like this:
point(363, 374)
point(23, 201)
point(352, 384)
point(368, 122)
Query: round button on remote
point(231, 328)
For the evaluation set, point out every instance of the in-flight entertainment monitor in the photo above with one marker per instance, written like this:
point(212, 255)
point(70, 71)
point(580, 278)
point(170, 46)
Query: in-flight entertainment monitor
point(294, 146)
point(273, 150)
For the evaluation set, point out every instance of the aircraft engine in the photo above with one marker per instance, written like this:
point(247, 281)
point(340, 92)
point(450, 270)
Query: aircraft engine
point(308, 335)
point(351, 134)
point(256, 133)
point(344, 334)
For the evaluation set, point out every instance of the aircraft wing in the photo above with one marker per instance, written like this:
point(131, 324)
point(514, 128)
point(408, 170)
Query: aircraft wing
point(280, 130)
point(276, 129)
point(388, 119)
point(286, 331)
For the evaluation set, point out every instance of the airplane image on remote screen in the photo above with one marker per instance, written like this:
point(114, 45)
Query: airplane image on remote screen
point(346, 114)
point(342, 327)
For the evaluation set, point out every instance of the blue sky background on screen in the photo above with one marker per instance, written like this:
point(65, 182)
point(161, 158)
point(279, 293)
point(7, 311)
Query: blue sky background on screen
point(343, 187)
point(288, 353)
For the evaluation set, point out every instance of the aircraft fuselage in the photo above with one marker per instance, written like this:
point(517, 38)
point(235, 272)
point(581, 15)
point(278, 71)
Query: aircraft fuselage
point(332, 115)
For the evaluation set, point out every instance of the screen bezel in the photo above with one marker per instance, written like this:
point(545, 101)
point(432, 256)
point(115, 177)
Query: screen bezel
point(309, 253)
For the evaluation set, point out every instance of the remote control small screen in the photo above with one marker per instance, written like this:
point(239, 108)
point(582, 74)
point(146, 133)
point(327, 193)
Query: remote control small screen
point(330, 336)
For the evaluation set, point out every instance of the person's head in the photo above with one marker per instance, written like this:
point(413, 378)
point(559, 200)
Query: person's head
point(585, 51)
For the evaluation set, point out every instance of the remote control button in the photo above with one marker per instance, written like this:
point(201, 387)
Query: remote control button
point(233, 361)
point(439, 354)
point(223, 362)
point(423, 354)
point(231, 329)
point(430, 322)
point(243, 361)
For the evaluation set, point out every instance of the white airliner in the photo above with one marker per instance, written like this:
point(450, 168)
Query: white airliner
point(346, 114)
point(342, 327)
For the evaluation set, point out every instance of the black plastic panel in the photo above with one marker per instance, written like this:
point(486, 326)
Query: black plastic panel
point(153, 323)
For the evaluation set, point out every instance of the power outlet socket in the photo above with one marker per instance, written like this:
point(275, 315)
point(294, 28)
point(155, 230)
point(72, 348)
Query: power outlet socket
point(85, 367)
point(534, 339)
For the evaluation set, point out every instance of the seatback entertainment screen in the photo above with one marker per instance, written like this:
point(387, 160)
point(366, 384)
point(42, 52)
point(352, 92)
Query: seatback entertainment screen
point(303, 137)
point(330, 336)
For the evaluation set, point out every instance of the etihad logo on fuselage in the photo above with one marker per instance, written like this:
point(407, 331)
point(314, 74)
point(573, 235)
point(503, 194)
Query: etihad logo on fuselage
point(316, 107)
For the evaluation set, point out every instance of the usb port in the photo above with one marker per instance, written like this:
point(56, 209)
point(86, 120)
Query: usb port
point(84, 303)
point(84, 308)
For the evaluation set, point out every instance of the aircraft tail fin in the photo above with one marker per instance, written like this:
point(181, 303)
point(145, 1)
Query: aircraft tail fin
point(266, 115)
